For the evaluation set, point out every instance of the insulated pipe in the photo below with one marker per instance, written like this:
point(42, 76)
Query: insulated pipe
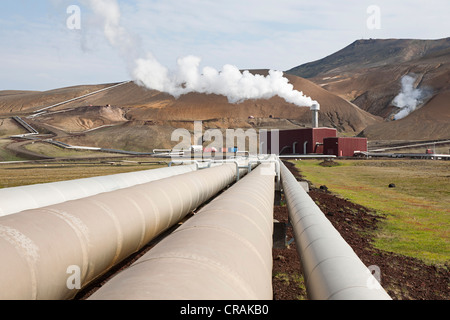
point(332, 270)
point(224, 252)
point(236, 163)
point(276, 161)
point(13, 200)
point(39, 248)
point(183, 162)
point(77, 98)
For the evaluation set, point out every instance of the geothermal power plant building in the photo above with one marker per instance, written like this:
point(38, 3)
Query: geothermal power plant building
point(314, 141)
point(344, 147)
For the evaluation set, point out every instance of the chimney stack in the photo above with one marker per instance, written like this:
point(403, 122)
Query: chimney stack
point(315, 115)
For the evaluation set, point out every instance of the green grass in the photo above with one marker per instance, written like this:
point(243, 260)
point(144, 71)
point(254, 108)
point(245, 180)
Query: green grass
point(296, 279)
point(417, 209)
point(6, 155)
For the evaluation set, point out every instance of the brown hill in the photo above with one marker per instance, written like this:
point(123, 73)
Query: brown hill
point(82, 119)
point(335, 111)
point(17, 102)
point(368, 54)
point(133, 118)
point(368, 73)
point(430, 122)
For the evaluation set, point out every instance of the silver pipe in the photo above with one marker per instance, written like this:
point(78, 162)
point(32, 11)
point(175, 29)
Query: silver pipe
point(77, 98)
point(184, 161)
point(39, 247)
point(315, 115)
point(236, 163)
point(224, 252)
point(271, 159)
point(332, 270)
point(13, 200)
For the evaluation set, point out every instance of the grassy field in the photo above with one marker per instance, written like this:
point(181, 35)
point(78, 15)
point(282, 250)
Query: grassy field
point(417, 210)
point(19, 174)
point(6, 155)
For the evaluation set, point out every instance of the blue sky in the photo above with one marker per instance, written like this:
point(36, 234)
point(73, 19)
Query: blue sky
point(39, 52)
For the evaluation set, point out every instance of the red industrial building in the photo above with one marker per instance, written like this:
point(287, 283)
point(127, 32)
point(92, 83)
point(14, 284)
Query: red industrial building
point(344, 147)
point(311, 141)
point(299, 141)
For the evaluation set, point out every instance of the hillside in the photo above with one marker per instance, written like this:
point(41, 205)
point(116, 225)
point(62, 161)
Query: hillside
point(133, 118)
point(368, 73)
point(431, 122)
point(367, 54)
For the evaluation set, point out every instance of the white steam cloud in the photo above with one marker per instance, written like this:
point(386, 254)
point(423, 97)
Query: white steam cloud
point(409, 98)
point(230, 82)
point(108, 12)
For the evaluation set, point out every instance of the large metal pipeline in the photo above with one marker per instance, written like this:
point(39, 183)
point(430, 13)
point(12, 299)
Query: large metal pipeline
point(224, 252)
point(332, 270)
point(40, 247)
point(13, 200)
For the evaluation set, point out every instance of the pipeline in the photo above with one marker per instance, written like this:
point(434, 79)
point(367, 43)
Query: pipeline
point(39, 247)
point(40, 111)
point(331, 268)
point(13, 200)
point(269, 159)
point(27, 127)
point(224, 252)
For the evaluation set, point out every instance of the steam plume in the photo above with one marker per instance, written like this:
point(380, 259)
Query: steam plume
point(108, 12)
point(409, 98)
point(230, 82)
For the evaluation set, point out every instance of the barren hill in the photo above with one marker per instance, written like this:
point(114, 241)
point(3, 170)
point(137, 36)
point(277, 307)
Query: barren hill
point(431, 122)
point(367, 54)
point(133, 118)
point(16, 102)
point(368, 73)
